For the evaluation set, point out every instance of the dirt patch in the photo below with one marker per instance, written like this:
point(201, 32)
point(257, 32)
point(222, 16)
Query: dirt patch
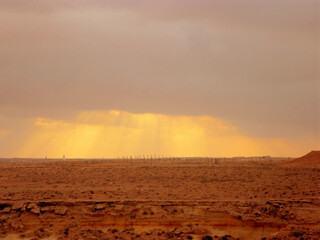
point(310, 160)
point(158, 200)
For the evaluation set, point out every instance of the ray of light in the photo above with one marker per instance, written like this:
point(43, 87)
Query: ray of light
point(115, 133)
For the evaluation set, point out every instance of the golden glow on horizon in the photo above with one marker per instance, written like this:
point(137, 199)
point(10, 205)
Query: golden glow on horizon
point(98, 134)
point(2, 133)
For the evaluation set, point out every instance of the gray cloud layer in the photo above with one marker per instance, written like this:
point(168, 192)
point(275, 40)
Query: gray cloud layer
point(255, 63)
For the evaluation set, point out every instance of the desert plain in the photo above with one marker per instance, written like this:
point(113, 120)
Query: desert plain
point(179, 198)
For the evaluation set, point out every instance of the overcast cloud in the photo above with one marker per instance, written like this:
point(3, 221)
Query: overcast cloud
point(252, 63)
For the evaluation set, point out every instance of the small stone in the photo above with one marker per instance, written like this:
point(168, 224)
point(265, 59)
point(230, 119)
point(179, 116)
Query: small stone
point(45, 209)
point(30, 206)
point(7, 209)
point(60, 210)
point(34, 208)
point(100, 206)
point(35, 211)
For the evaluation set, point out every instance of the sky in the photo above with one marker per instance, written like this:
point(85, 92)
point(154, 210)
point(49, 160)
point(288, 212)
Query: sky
point(180, 78)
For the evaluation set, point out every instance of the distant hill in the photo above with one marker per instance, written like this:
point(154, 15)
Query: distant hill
point(311, 160)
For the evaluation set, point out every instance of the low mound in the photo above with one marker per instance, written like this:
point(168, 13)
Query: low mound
point(311, 160)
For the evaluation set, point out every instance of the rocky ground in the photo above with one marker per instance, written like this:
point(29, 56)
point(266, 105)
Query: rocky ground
point(158, 200)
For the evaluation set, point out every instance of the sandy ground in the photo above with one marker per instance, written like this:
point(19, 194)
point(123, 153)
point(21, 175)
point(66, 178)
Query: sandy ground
point(158, 200)
point(310, 160)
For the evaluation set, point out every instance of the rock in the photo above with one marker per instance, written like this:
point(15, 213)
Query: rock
point(60, 210)
point(17, 225)
point(199, 230)
point(17, 206)
point(34, 208)
point(42, 233)
point(7, 209)
point(256, 213)
point(100, 206)
point(183, 229)
point(45, 209)
point(30, 206)
point(111, 204)
point(3, 218)
point(118, 208)
point(35, 211)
